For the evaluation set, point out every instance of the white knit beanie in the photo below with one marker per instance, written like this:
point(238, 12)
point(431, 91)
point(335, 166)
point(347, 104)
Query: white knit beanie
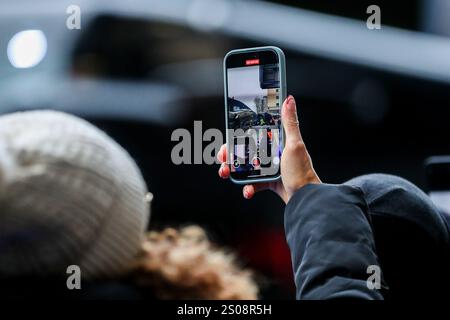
point(69, 195)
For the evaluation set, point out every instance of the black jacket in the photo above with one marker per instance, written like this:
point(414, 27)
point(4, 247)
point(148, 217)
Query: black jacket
point(335, 232)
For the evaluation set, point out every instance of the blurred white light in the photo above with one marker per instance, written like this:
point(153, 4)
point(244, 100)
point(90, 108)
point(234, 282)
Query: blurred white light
point(27, 48)
point(208, 15)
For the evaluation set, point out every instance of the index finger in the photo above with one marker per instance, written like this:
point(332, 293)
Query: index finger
point(222, 154)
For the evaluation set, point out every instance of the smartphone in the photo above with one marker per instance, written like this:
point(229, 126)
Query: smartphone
point(255, 88)
point(437, 170)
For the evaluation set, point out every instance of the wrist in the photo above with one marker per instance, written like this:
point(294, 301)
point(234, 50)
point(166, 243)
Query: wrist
point(309, 178)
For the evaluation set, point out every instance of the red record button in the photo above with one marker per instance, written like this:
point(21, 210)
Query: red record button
point(251, 62)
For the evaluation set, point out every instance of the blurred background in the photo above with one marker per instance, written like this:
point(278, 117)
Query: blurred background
point(369, 100)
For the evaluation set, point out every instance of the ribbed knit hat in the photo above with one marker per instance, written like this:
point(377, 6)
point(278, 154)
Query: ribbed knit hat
point(69, 195)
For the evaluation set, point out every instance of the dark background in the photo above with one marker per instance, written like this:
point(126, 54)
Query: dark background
point(355, 119)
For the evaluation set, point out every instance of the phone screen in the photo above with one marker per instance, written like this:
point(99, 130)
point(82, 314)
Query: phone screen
point(254, 120)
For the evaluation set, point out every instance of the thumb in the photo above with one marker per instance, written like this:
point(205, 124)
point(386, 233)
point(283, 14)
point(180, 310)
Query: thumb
point(290, 121)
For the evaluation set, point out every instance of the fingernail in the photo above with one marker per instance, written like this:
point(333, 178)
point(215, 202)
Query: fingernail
point(291, 102)
point(288, 99)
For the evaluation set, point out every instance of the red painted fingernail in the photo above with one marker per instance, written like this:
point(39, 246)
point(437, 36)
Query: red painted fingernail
point(288, 99)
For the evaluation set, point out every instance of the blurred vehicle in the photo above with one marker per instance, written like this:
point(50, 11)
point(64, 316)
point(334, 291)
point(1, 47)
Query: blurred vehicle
point(370, 100)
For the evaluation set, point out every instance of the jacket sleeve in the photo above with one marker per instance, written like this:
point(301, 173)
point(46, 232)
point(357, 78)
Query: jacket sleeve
point(331, 242)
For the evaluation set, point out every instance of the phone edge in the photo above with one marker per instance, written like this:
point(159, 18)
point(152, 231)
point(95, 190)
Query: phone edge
point(282, 62)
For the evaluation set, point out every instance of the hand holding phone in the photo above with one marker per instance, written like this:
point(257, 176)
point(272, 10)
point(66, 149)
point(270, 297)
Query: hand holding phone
point(296, 165)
